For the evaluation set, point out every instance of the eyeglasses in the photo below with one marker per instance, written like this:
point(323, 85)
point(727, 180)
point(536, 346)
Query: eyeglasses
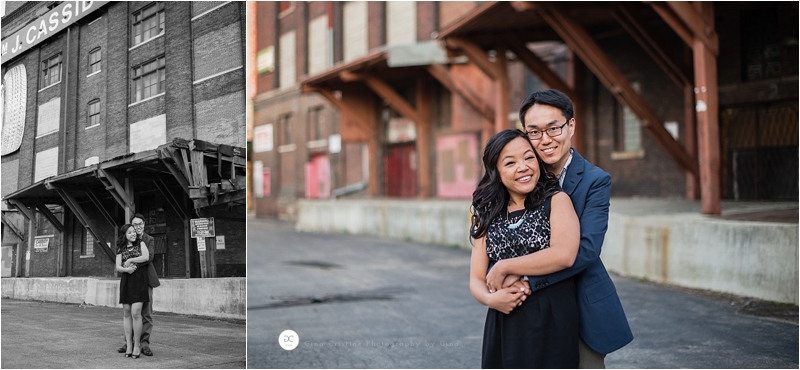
point(552, 132)
point(138, 224)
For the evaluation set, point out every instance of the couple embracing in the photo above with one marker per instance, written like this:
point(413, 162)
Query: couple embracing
point(540, 214)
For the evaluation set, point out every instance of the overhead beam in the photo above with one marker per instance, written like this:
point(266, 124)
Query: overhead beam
point(392, 98)
point(27, 212)
point(173, 203)
point(115, 188)
point(343, 107)
point(176, 172)
point(459, 87)
point(639, 32)
point(579, 40)
point(86, 222)
point(701, 29)
point(13, 227)
point(102, 208)
point(536, 64)
point(49, 215)
point(476, 55)
point(673, 21)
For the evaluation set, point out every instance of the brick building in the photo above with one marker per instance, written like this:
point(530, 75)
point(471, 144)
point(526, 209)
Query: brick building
point(116, 108)
point(395, 99)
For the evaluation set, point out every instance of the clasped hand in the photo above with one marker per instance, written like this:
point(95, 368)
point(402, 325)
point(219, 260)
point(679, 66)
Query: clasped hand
point(130, 266)
point(507, 291)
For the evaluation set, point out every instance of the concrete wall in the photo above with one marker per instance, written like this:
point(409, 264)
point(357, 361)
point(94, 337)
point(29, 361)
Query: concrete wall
point(221, 297)
point(754, 259)
point(431, 221)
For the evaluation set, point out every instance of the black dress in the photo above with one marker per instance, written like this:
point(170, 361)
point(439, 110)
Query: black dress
point(133, 287)
point(543, 332)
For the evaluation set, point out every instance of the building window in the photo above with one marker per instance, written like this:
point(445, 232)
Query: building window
point(148, 23)
point(284, 122)
point(88, 247)
point(93, 113)
point(51, 71)
point(315, 123)
point(631, 131)
point(94, 60)
point(148, 79)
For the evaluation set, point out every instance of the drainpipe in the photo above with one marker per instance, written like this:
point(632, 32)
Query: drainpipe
point(62, 249)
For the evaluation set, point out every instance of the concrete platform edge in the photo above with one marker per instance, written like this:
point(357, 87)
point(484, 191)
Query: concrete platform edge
point(218, 297)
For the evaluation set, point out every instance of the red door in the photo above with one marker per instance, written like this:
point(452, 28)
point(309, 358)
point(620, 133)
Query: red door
point(400, 171)
point(318, 184)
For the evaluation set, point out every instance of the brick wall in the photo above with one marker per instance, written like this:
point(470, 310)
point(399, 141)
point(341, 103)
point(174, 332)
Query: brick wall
point(376, 18)
point(427, 19)
point(90, 142)
point(222, 120)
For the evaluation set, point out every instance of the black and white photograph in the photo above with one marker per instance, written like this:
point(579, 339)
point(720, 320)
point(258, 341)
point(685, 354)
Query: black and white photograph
point(124, 184)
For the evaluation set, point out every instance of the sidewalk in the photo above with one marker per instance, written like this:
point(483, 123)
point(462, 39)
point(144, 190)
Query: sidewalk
point(58, 335)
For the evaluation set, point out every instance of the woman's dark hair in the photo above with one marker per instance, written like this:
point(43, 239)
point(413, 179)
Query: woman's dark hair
point(122, 241)
point(491, 197)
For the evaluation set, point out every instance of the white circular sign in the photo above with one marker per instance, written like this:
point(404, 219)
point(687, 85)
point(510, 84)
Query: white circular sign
point(288, 340)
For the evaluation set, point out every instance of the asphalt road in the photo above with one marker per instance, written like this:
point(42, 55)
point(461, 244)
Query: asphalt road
point(69, 336)
point(367, 302)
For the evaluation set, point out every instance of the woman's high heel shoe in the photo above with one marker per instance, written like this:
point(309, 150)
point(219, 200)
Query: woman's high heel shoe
point(128, 355)
point(136, 356)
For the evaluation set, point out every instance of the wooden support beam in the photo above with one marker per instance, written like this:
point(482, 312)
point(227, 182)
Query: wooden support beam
point(697, 24)
point(673, 21)
point(13, 227)
point(199, 175)
point(641, 34)
point(27, 212)
point(501, 92)
point(44, 210)
point(161, 184)
point(707, 108)
point(87, 223)
point(580, 42)
point(171, 163)
point(424, 138)
point(392, 98)
point(115, 188)
point(339, 104)
point(536, 64)
point(459, 87)
point(97, 203)
point(475, 55)
point(690, 140)
point(522, 6)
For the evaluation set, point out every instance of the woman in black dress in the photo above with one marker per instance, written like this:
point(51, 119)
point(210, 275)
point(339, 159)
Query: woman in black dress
point(132, 253)
point(519, 209)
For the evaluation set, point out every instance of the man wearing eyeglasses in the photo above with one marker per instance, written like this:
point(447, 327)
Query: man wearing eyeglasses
point(147, 309)
point(548, 119)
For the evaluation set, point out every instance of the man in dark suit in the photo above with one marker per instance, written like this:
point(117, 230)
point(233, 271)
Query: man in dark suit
point(147, 309)
point(547, 116)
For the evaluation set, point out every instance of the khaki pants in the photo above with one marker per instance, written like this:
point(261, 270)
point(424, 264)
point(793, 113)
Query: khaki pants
point(589, 358)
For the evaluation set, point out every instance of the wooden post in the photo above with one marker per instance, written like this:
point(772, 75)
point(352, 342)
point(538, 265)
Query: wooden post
point(707, 108)
point(501, 91)
point(423, 138)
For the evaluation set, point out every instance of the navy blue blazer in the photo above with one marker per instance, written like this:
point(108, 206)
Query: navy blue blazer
point(603, 325)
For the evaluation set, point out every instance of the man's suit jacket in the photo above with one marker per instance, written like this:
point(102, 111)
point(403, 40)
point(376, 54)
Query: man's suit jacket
point(603, 325)
point(152, 277)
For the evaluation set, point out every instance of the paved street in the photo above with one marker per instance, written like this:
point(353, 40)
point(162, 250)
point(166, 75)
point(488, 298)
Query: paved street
point(70, 336)
point(359, 301)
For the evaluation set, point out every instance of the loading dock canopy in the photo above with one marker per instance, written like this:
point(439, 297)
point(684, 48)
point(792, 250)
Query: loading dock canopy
point(211, 176)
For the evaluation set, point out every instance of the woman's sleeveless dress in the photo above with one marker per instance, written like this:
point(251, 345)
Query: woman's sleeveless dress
point(543, 332)
point(133, 287)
